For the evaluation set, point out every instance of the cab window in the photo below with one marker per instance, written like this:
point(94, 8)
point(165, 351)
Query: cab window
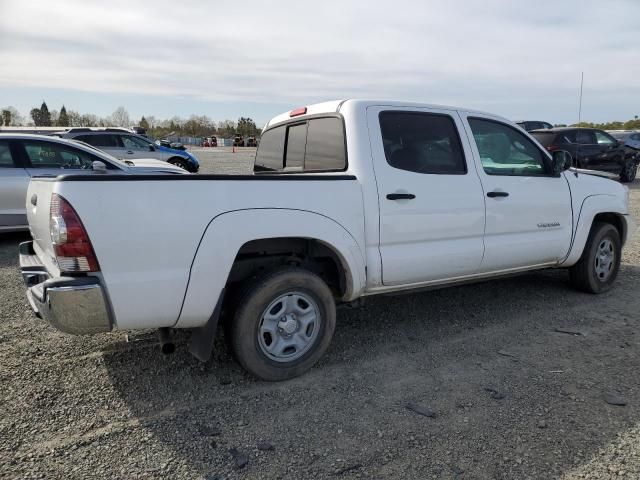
point(506, 151)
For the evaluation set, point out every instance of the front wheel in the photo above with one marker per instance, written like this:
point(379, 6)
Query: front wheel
point(283, 323)
point(629, 170)
point(178, 162)
point(598, 267)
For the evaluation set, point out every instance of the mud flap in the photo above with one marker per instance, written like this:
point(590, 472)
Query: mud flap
point(201, 344)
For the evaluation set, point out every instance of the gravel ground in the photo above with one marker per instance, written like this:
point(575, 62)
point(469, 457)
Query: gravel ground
point(511, 379)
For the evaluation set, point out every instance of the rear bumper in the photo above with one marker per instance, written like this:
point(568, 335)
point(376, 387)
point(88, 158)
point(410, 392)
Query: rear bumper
point(75, 305)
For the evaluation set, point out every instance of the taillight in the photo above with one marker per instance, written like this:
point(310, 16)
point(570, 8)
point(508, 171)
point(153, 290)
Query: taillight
point(69, 237)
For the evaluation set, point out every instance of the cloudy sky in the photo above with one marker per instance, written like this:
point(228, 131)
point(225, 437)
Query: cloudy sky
point(517, 58)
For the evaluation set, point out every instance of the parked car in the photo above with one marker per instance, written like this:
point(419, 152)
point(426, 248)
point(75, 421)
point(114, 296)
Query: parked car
point(530, 125)
point(210, 142)
point(592, 149)
point(428, 197)
point(629, 138)
point(252, 142)
point(126, 145)
point(25, 156)
point(238, 141)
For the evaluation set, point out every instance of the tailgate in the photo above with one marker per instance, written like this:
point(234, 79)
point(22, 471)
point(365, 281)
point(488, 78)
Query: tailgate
point(38, 203)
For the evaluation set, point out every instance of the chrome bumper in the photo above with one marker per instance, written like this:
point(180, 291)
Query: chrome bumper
point(75, 305)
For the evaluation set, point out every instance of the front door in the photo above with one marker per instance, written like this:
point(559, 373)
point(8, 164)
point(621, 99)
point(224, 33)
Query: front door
point(430, 198)
point(528, 215)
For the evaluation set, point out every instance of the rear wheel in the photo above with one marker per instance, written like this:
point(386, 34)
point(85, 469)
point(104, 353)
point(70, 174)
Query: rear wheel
point(283, 323)
point(598, 267)
point(629, 170)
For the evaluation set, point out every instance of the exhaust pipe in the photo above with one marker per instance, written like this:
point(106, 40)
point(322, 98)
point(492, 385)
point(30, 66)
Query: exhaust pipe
point(166, 340)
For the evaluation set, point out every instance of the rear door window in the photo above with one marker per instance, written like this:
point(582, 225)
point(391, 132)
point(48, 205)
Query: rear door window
point(422, 143)
point(585, 137)
point(6, 160)
point(99, 140)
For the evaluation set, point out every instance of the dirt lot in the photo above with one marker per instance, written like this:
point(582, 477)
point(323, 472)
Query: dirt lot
point(514, 375)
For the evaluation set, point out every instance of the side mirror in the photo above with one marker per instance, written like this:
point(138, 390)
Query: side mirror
point(152, 147)
point(561, 161)
point(98, 167)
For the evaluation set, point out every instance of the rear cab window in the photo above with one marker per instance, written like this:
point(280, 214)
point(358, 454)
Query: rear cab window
point(316, 144)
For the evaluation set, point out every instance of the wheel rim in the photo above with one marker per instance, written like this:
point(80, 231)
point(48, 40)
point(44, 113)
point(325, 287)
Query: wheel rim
point(605, 259)
point(289, 326)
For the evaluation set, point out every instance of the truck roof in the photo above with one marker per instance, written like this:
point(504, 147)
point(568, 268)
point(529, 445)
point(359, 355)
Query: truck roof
point(334, 106)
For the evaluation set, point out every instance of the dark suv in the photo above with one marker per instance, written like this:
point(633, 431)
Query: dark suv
point(592, 149)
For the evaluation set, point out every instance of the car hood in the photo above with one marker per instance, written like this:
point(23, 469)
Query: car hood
point(151, 165)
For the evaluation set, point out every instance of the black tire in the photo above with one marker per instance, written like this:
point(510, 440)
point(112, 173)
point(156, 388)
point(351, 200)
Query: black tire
point(584, 274)
point(179, 162)
point(257, 295)
point(629, 171)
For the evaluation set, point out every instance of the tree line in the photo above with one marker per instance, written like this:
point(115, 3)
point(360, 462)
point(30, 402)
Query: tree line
point(194, 126)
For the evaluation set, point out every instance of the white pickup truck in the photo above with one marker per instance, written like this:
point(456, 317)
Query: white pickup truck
point(347, 199)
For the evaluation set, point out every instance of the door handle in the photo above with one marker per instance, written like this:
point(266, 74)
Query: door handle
point(400, 196)
point(497, 194)
point(129, 152)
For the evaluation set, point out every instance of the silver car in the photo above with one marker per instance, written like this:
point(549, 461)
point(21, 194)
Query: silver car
point(127, 145)
point(630, 138)
point(25, 156)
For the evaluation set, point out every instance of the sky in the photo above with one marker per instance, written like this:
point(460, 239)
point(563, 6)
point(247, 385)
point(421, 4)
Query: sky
point(516, 58)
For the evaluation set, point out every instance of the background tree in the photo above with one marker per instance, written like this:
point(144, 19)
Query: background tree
point(15, 120)
point(6, 118)
point(45, 116)
point(143, 123)
point(246, 127)
point(120, 118)
point(63, 118)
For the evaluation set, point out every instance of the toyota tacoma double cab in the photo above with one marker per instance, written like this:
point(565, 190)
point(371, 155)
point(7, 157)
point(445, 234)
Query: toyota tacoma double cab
point(347, 199)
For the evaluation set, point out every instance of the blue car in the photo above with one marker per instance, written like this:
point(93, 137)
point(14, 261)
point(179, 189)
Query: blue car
point(126, 145)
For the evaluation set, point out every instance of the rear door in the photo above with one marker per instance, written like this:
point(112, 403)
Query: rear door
point(108, 143)
point(528, 210)
point(430, 198)
point(14, 181)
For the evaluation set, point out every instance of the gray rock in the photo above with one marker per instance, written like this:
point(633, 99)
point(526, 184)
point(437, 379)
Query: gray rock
point(420, 410)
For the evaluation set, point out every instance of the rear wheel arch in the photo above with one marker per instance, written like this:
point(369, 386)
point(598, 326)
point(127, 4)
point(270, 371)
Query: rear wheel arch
point(258, 256)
